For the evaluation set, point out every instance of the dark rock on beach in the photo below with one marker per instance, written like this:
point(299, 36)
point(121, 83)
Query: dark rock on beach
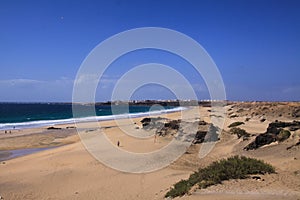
point(53, 128)
point(169, 128)
point(174, 124)
point(152, 123)
point(199, 137)
point(206, 132)
point(209, 135)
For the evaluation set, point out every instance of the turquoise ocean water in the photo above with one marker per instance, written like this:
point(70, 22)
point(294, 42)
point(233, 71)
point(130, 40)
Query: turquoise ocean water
point(28, 115)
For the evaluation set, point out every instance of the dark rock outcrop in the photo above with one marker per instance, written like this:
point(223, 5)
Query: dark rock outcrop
point(169, 128)
point(293, 126)
point(174, 124)
point(261, 140)
point(209, 135)
point(163, 127)
point(212, 134)
point(199, 137)
point(153, 123)
point(275, 132)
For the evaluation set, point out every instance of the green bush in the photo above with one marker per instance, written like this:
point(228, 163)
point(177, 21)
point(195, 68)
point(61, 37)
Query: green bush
point(283, 135)
point(239, 132)
point(234, 124)
point(180, 188)
point(231, 168)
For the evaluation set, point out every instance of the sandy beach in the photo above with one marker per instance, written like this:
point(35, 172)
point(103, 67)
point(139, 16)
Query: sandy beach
point(69, 171)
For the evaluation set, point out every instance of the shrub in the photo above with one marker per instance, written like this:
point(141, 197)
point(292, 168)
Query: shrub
point(239, 132)
point(231, 168)
point(180, 188)
point(283, 135)
point(234, 124)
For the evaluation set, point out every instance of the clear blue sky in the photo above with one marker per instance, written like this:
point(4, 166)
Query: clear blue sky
point(254, 43)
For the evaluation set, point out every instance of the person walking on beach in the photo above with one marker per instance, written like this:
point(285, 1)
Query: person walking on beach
point(118, 143)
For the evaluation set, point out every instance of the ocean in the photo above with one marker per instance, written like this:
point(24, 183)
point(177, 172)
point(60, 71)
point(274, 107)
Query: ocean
point(29, 115)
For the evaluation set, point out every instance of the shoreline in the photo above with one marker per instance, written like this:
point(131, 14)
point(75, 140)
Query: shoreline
point(55, 122)
point(6, 155)
point(67, 133)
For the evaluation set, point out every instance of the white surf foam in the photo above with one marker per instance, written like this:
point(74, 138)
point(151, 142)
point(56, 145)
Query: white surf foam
point(41, 123)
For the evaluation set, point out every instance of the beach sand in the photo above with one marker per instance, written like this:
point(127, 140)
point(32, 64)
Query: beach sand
point(71, 172)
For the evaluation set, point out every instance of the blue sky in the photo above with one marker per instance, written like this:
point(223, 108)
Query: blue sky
point(255, 45)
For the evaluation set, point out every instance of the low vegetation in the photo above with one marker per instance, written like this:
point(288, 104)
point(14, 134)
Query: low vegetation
point(234, 124)
point(283, 135)
point(235, 167)
point(239, 132)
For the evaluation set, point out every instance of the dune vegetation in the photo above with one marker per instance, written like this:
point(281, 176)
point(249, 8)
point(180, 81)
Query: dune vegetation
point(235, 167)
